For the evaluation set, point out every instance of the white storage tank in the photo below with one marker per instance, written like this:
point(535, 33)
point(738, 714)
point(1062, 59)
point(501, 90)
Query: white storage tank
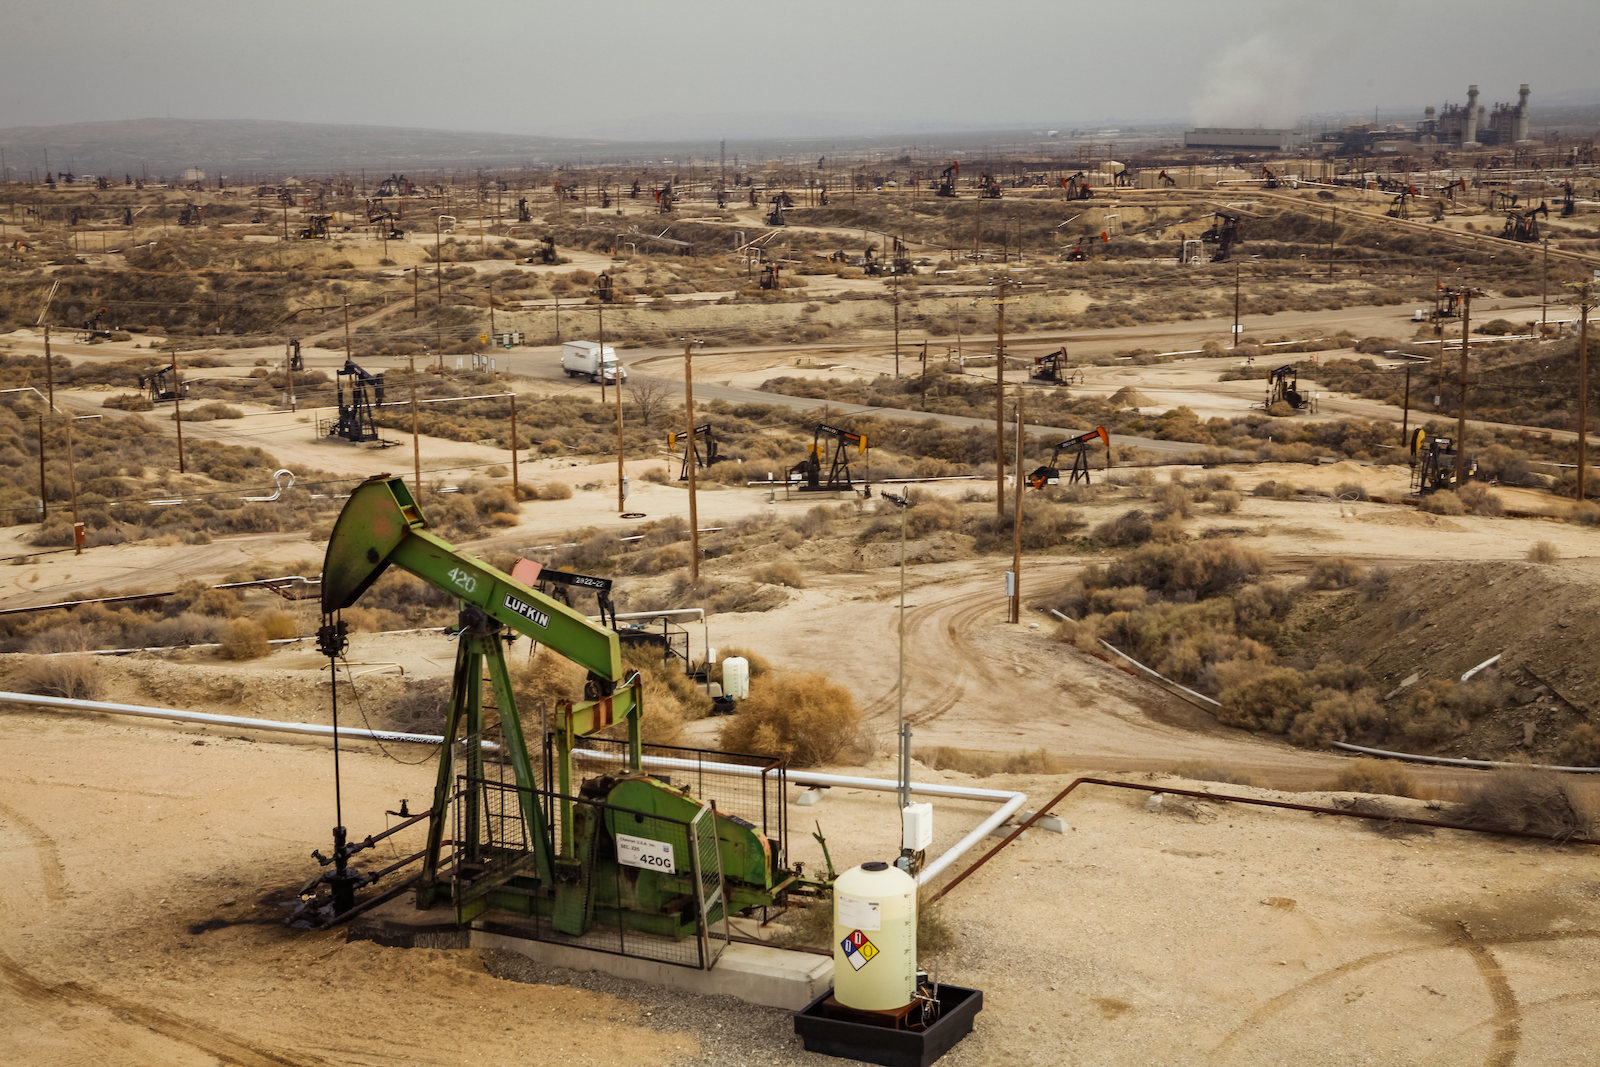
point(736, 677)
point(874, 938)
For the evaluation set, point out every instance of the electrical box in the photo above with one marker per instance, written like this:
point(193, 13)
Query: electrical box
point(1011, 583)
point(917, 823)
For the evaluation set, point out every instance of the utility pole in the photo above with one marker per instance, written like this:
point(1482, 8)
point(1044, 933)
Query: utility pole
point(1016, 524)
point(416, 283)
point(622, 474)
point(1405, 409)
point(1000, 400)
point(1235, 304)
point(896, 319)
point(72, 485)
point(1586, 304)
point(288, 372)
point(44, 501)
point(49, 370)
point(1544, 289)
point(1461, 418)
point(1333, 229)
point(416, 441)
point(177, 413)
point(438, 264)
point(694, 518)
point(491, 311)
point(516, 482)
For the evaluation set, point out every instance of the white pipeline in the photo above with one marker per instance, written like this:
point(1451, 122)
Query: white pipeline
point(1010, 801)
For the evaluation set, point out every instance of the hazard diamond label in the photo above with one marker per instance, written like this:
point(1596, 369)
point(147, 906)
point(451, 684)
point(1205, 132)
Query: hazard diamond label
point(858, 949)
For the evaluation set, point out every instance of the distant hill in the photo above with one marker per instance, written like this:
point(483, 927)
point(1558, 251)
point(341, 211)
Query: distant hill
point(245, 148)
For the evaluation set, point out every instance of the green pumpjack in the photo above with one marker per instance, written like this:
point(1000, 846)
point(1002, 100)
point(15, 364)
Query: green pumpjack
point(580, 882)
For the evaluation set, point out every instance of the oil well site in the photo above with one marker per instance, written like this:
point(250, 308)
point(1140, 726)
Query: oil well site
point(1087, 599)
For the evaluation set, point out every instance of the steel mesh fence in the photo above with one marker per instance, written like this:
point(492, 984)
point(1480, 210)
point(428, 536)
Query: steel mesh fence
point(636, 884)
point(753, 793)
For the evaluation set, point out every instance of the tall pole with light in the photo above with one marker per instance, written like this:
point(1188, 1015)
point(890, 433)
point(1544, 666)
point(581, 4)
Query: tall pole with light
point(1586, 304)
point(694, 518)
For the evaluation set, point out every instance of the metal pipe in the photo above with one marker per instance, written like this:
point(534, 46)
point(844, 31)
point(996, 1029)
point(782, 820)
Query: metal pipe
point(1452, 761)
point(271, 725)
point(1314, 809)
point(1011, 800)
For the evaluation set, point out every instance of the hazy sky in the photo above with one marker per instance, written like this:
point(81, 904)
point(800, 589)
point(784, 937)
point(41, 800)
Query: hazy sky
point(700, 68)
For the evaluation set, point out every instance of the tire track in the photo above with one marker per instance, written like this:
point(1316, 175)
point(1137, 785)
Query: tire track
point(175, 1027)
point(1507, 1019)
point(52, 876)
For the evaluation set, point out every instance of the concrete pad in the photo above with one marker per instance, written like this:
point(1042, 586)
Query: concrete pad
point(776, 978)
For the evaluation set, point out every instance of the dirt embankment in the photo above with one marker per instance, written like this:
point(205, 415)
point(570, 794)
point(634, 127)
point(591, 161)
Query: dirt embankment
point(1439, 620)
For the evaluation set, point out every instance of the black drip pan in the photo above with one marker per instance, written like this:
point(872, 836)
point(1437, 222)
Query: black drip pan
point(825, 1032)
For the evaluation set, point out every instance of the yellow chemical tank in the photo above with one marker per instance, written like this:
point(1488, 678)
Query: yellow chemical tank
point(874, 938)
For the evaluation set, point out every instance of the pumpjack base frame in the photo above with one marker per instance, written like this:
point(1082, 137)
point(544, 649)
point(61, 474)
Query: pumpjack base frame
point(756, 974)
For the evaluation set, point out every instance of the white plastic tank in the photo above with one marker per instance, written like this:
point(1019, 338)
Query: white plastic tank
point(736, 677)
point(874, 938)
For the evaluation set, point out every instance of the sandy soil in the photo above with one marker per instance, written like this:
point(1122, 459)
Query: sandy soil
point(149, 865)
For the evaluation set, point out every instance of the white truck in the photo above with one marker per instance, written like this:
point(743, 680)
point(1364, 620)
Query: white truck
point(582, 359)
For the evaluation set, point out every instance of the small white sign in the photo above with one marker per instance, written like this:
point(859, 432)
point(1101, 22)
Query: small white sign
point(646, 854)
point(857, 912)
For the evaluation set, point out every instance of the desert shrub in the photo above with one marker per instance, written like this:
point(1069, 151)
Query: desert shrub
point(759, 665)
point(128, 402)
point(1443, 502)
point(554, 491)
point(1225, 501)
point(982, 764)
point(1524, 800)
point(1331, 702)
point(1581, 747)
point(72, 677)
point(1274, 490)
point(1336, 715)
point(784, 573)
point(1207, 771)
point(1350, 491)
point(1496, 328)
point(804, 718)
point(1382, 777)
point(1584, 512)
point(212, 411)
point(684, 699)
point(278, 624)
point(186, 628)
point(1129, 528)
point(1478, 499)
point(1340, 572)
point(1172, 500)
point(494, 500)
point(243, 639)
point(539, 683)
point(1269, 700)
point(1542, 552)
point(665, 558)
point(1200, 570)
point(1429, 715)
point(420, 707)
point(932, 514)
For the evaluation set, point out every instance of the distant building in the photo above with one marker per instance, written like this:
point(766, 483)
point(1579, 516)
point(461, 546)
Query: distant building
point(1258, 137)
point(1453, 125)
point(1464, 126)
